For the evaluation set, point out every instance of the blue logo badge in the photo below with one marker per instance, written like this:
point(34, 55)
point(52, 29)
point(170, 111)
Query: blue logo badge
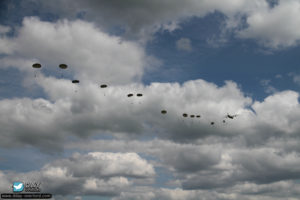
point(18, 186)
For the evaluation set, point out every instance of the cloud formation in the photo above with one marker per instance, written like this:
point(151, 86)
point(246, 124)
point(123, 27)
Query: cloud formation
point(253, 156)
point(91, 54)
point(271, 23)
point(95, 173)
point(275, 27)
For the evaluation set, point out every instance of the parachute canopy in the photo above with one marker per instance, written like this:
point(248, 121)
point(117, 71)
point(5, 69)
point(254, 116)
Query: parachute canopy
point(103, 86)
point(184, 115)
point(36, 65)
point(130, 95)
point(198, 116)
point(139, 95)
point(163, 112)
point(75, 81)
point(212, 123)
point(192, 116)
point(63, 66)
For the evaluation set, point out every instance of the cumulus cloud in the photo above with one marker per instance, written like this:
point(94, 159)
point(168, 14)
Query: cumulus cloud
point(91, 54)
point(95, 173)
point(271, 23)
point(244, 192)
point(275, 27)
point(219, 164)
point(184, 44)
point(71, 113)
point(142, 19)
point(253, 156)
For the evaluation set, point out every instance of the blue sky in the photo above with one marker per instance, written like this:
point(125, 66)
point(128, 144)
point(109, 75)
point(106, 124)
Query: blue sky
point(208, 58)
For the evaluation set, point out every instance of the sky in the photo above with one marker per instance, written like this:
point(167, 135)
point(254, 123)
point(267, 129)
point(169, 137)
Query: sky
point(200, 57)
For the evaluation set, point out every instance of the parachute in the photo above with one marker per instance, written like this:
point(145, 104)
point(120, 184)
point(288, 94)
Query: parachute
point(129, 95)
point(36, 65)
point(184, 115)
point(139, 95)
point(212, 123)
point(198, 116)
point(103, 86)
point(192, 116)
point(62, 66)
point(163, 112)
point(75, 82)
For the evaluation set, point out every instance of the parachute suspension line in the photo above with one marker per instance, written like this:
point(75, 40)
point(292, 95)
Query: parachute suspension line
point(62, 67)
point(103, 86)
point(36, 67)
point(75, 82)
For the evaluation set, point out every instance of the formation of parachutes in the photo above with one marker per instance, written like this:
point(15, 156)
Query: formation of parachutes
point(164, 112)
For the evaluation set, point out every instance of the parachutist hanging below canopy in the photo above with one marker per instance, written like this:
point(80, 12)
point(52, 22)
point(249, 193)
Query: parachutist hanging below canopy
point(63, 67)
point(36, 66)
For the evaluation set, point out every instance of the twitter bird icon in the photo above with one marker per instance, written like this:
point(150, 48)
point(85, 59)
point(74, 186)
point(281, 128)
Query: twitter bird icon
point(18, 186)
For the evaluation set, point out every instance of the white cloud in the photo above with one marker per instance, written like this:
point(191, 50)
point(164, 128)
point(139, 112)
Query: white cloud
point(62, 177)
point(142, 19)
point(275, 27)
point(272, 23)
point(46, 124)
point(91, 54)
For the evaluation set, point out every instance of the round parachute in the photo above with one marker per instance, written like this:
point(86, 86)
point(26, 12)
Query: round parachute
point(198, 116)
point(163, 112)
point(63, 66)
point(192, 116)
point(139, 95)
point(103, 86)
point(129, 95)
point(184, 115)
point(212, 123)
point(75, 81)
point(36, 65)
